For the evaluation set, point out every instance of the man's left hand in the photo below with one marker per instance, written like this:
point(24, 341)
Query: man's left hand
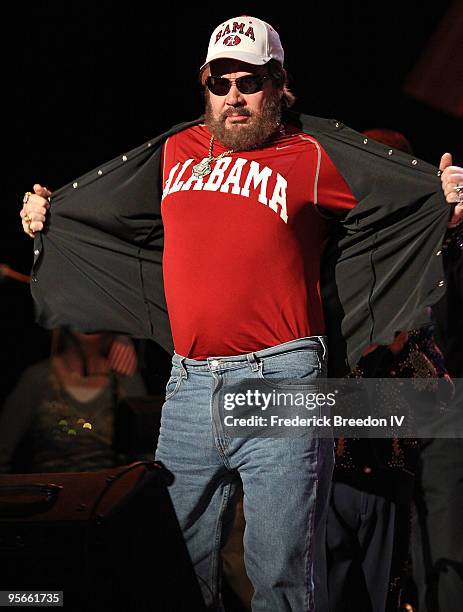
point(452, 186)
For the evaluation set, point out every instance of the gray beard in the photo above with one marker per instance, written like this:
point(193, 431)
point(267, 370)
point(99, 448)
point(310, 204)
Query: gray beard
point(245, 137)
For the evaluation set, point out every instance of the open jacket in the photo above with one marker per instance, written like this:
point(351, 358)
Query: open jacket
point(98, 262)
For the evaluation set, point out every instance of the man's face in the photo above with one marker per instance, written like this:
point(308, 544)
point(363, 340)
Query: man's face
point(242, 121)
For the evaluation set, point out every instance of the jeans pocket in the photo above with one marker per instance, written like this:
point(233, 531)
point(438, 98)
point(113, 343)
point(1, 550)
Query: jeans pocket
point(298, 367)
point(174, 382)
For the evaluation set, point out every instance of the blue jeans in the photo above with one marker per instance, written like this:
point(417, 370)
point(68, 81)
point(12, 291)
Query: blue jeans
point(285, 480)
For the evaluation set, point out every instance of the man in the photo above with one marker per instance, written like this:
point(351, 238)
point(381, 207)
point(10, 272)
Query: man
point(243, 200)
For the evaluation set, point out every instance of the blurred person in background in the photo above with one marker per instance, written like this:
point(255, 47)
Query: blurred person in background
point(437, 524)
point(368, 528)
point(60, 416)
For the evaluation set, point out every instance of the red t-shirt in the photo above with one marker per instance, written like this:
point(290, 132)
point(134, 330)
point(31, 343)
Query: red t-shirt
point(243, 244)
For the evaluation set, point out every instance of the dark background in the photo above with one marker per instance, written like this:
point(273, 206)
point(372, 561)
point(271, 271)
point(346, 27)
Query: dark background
point(84, 82)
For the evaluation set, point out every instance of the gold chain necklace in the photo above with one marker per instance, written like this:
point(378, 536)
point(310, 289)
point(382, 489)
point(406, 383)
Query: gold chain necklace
point(204, 167)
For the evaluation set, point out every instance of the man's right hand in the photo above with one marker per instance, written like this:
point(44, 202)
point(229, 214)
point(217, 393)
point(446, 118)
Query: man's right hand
point(34, 211)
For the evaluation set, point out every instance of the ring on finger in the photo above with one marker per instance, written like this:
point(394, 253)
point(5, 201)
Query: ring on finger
point(458, 188)
point(28, 221)
point(26, 197)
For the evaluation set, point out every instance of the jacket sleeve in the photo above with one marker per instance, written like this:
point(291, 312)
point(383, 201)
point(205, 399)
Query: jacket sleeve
point(98, 263)
point(383, 265)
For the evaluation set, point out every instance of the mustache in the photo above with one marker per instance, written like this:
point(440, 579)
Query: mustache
point(230, 112)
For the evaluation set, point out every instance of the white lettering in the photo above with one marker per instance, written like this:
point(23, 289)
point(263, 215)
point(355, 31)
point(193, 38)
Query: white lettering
point(178, 183)
point(228, 178)
point(279, 197)
point(365, 422)
point(257, 178)
point(234, 177)
point(217, 174)
point(169, 180)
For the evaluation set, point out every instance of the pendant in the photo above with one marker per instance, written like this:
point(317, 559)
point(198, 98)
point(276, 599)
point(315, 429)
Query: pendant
point(203, 168)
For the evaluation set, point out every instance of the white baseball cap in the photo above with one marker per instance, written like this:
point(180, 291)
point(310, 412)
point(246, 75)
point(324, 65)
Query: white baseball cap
point(247, 39)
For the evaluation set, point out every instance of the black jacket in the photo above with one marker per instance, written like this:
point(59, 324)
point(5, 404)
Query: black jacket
point(98, 263)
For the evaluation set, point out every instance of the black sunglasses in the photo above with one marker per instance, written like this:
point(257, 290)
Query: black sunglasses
point(249, 84)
